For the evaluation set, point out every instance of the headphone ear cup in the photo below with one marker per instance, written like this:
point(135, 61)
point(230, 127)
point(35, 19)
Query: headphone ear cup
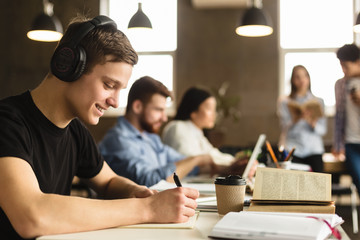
point(68, 63)
point(80, 65)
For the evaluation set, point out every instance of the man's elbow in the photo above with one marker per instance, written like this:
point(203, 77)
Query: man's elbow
point(29, 225)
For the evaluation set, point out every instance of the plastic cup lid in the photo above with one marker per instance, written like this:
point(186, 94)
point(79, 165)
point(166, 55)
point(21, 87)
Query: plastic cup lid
point(230, 180)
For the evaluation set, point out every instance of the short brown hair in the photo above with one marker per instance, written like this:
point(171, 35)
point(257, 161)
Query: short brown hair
point(100, 42)
point(348, 52)
point(144, 88)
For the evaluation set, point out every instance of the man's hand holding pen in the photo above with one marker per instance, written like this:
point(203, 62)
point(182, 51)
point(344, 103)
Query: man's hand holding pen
point(172, 205)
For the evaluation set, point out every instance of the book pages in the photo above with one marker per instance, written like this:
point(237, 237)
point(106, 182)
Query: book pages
point(312, 106)
point(281, 184)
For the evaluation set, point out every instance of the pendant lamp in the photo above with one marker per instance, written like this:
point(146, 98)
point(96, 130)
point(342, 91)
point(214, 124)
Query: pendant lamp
point(140, 20)
point(255, 23)
point(46, 27)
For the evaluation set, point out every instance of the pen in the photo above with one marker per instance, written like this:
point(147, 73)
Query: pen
point(272, 154)
point(177, 180)
point(285, 153)
point(281, 152)
point(290, 154)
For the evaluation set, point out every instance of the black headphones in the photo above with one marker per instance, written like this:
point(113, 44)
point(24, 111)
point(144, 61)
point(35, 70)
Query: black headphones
point(69, 59)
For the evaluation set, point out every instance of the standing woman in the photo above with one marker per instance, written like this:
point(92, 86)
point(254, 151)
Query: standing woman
point(302, 121)
point(196, 112)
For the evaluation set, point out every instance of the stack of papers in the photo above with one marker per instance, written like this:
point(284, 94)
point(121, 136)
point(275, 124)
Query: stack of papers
point(206, 201)
point(203, 188)
point(274, 225)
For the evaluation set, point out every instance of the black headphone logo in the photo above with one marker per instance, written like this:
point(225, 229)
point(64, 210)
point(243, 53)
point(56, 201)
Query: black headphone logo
point(69, 59)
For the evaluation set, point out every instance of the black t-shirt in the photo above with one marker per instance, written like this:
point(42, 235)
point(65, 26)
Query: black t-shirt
point(56, 155)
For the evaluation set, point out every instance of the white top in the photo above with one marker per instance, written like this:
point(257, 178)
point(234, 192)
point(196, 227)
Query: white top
point(188, 139)
point(352, 126)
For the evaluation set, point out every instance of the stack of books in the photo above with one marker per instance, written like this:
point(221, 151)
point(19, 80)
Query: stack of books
point(279, 190)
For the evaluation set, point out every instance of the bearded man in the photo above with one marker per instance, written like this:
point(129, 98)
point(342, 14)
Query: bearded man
point(133, 148)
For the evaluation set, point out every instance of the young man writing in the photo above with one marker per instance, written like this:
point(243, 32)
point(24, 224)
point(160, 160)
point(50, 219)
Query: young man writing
point(43, 144)
point(134, 149)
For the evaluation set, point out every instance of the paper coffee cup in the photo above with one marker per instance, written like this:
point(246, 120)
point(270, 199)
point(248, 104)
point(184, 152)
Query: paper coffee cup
point(230, 193)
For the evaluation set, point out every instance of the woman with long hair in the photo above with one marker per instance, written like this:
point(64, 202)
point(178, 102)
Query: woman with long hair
point(196, 112)
point(302, 121)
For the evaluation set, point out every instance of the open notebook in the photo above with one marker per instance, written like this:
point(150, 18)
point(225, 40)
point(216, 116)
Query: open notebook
point(203, 188)
point(260, 225)
point(186, 225)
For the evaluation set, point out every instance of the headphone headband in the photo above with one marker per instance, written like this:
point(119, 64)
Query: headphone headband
point(86, 27)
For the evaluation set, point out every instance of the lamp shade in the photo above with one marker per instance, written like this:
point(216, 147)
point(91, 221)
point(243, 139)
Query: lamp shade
point(140, 20)
point(45, 28)
point(255, 23)
point(356, 27)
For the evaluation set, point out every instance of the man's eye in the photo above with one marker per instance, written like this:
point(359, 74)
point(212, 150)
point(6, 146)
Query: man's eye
point(108, 85)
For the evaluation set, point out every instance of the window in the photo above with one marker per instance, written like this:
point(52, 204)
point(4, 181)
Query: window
point(310, 34)
point(156, 47)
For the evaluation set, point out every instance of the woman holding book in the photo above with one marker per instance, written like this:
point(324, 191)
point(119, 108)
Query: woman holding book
point(302, 121)
point(196, 112)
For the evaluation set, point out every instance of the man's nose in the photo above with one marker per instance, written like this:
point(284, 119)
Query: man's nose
point(113, 100)
point(165, 117)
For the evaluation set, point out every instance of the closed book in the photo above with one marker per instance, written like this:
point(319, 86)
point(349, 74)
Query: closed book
point(292, 207)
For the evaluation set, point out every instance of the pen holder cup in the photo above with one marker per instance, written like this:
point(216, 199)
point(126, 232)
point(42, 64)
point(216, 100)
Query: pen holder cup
point(230, 194)
point(285, 165)
point(269, 162)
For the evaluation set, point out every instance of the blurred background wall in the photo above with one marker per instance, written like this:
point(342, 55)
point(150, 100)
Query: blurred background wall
point(209, 53)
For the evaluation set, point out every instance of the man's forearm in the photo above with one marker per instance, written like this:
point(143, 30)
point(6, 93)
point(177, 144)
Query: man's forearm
point(52, 214)
point(120, 187)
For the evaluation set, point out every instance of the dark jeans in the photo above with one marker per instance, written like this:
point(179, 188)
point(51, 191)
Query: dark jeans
point(315, 162)
point(352, 152)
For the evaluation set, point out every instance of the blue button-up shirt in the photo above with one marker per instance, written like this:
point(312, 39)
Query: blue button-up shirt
point(141, 157)
point(307, 140)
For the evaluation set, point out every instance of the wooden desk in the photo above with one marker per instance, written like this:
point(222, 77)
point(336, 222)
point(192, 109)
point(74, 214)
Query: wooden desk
point(334, 165)
point(204, 224)
point(202, 229)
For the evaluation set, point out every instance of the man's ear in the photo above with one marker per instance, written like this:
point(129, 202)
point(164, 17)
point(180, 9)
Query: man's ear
point(193, 115)
point(137, 106)
point(357, 62)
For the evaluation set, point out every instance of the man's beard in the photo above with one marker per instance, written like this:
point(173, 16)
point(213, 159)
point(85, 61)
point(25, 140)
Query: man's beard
point(146, 125)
